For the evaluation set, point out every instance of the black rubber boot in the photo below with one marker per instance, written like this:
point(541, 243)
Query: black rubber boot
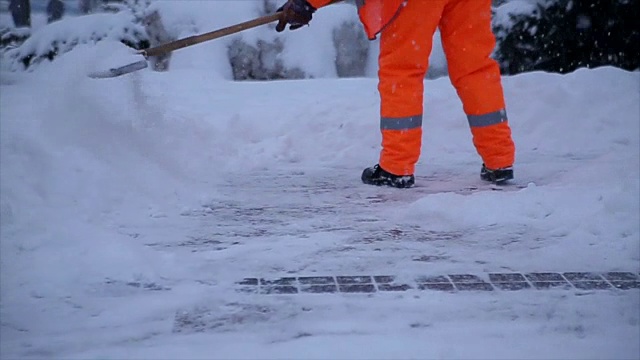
point(376, 175)
point(498, 176)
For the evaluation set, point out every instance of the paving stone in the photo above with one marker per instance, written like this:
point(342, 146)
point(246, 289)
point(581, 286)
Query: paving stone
point(384, 279)
point(354, 280)
point(582, 276)
point(509, 281)
point(433, 280)
point(439, 283)
point(543, 281)
point(281, 281)
point(317, 280)
point(358, 288)
point(591, 285)
point(506, 277)
point(545, 276)
point(469, 282)
point(248, 281)
point(248, 289)
point(586, 280)
point(512, 286)
point(626, 285)
point(474, 286)
point(387, 283)
point(620, 276)
point(319, 289)
point(543, 285)
point(436, 286)
point(394, 287)
point(278, 290)
point(466, 279)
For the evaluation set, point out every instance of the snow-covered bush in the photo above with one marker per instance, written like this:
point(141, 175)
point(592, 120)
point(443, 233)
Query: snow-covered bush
point(60, 37)
point(563, 35)
point(352, 49)
point(13, 37)
point(260, 61)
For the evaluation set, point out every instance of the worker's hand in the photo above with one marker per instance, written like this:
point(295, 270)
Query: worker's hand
point(296, 13)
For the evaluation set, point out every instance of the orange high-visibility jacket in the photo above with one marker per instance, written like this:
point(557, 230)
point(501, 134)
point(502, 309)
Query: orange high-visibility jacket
point(374, 14)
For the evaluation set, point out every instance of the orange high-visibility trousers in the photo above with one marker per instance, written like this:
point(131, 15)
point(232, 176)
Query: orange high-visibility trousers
point(405, 46)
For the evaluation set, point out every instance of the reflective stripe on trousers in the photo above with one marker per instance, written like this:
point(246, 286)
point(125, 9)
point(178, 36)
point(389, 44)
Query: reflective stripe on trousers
point(492, 138)
point(402, 123)
point(489, 119)
point(401, 142)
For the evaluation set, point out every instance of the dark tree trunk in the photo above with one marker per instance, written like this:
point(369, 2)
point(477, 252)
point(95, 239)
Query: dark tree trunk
point(55, 10)
point(88, 6)
point(21, 12)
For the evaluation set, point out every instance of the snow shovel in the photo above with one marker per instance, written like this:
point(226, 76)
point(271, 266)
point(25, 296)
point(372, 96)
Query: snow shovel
point(182, 43)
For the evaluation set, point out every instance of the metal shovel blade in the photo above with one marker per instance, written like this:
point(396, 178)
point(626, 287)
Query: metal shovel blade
point(118, 71)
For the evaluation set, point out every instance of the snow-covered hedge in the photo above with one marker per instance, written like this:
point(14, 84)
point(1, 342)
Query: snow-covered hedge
point(60, 37)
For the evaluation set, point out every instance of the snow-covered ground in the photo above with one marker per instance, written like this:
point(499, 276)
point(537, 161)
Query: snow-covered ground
point(131, 206)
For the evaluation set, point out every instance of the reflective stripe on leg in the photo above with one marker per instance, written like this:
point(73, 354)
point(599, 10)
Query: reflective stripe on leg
point(402, 123)
point(489, 119)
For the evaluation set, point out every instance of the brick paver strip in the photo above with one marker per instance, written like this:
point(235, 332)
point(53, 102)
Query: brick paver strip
point(510, 281)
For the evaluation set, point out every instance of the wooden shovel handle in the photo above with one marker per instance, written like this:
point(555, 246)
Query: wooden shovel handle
point(196, 39)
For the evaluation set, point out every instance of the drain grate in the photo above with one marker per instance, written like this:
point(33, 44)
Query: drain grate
point(366, 284)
